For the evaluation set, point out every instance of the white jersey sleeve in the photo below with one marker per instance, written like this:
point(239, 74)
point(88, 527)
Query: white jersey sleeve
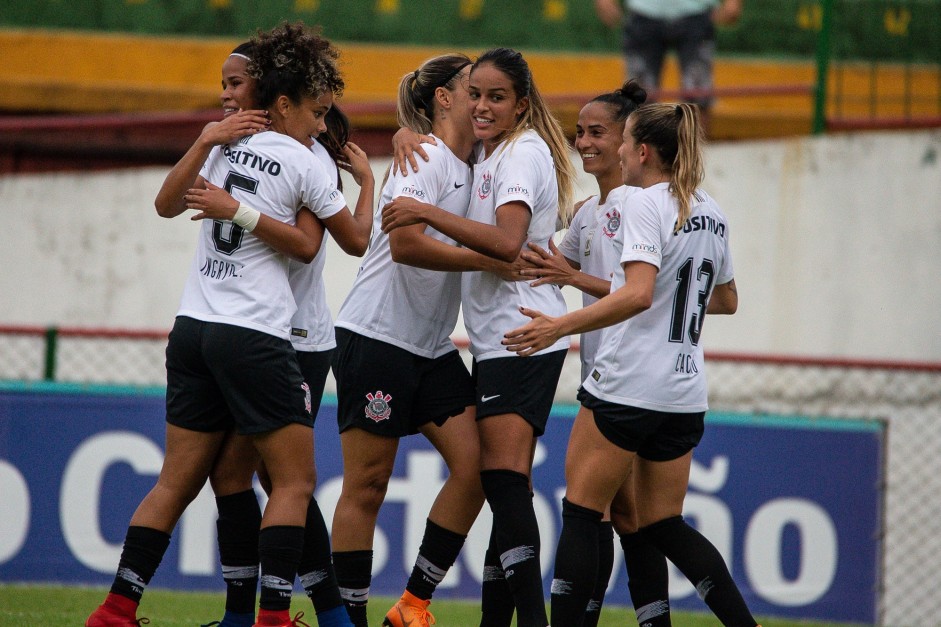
point(643, 233)
point(570, 244)
point(318, 193)
point(312, 324)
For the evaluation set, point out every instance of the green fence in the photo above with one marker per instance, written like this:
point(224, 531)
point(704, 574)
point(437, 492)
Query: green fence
point(905, 30)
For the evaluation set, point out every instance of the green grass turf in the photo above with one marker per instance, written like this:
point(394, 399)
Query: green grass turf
point(23, 605)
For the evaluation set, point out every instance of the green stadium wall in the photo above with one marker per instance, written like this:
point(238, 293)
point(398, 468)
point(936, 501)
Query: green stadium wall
point(902, 30)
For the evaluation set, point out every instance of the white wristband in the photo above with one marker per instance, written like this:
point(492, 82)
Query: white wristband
point(246, 217)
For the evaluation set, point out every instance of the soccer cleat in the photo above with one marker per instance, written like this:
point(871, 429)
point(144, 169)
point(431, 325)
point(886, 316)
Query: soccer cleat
point(231, 619)
point(106, 617)
point(409, 611)
point(268, 620)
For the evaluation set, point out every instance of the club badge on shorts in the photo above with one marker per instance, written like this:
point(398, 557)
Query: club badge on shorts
point(377, 406)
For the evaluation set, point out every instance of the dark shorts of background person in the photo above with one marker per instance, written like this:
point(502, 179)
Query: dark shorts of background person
point(646, 42)
point(222, 376)
point(388, 391)
point(315, 365)
point(656, 436)
point(518, 385)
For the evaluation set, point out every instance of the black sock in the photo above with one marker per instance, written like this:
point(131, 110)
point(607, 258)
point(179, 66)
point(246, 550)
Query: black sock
point(237, 532)
point(647, 580)
point(605, 565)
point(439, 548)
point(517, 536)
point(496, 600)
point(354, 574)
point(702, 564)
point(143, 550)
point(315, 569)
point(576, 564)
point(279, 550)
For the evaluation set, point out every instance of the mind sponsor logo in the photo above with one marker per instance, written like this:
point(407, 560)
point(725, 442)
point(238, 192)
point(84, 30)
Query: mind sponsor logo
point(644, 247)
point(411, 190)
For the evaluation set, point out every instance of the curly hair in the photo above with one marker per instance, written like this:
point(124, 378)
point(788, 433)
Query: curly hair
point(293, 60)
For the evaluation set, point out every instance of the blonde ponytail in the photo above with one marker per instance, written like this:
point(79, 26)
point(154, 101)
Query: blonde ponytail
point(675, 131)
point(415, 108)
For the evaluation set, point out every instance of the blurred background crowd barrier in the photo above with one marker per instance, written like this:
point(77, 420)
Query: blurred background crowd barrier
point(788, 67)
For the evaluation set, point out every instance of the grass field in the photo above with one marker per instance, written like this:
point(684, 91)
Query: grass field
point(22, 605)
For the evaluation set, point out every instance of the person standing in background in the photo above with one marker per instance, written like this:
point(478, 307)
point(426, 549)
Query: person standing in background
point(652, 28)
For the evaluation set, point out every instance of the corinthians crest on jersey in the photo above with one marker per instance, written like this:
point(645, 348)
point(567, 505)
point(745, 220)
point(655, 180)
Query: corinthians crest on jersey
point(377, 406)
point(486, 187)
point(613, 223)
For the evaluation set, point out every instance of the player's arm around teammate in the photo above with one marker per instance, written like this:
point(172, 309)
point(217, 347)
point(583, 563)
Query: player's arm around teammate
point(185, 189)
point(522, 177)
point(397, 371)
point(312, 336)
point(229, 362)
point(641, 411)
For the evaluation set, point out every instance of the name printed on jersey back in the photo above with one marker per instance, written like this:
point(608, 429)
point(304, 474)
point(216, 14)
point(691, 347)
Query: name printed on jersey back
point(219, 269)
point(703, 223)
point(251, 160)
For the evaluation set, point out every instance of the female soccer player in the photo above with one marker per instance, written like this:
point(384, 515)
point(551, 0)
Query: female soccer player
point(522, 181)
point(644, 401)
point(587, 255)
point(229, 361)
point(312, 338)
point(397, 371)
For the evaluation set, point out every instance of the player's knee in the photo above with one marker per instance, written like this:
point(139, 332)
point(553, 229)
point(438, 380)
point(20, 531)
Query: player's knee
point(367, 489)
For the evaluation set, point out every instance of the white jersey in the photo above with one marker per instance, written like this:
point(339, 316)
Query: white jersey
point(412, 308)
point(521, 170)
point(590, 242)
point(236, 278)
point(312, 324)
point(655, 359)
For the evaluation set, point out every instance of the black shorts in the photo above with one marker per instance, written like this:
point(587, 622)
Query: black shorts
point(647, 41)
point(657, 436)
point(222, 376)
point(518, 385)
point(315, 365)
point(388, 391)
